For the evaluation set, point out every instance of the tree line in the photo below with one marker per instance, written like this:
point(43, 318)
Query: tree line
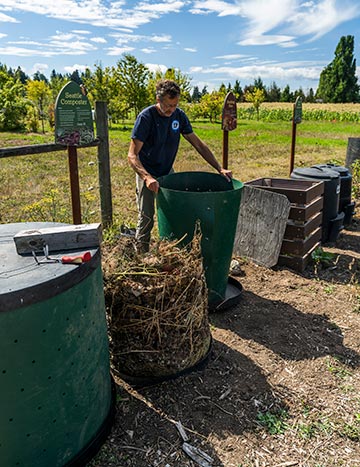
point(129, 86)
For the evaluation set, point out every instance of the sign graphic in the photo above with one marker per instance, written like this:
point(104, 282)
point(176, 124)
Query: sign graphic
point(229, 114)
point(73, 116)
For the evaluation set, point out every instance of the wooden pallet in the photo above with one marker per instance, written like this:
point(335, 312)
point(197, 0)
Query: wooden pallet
point(303, 229)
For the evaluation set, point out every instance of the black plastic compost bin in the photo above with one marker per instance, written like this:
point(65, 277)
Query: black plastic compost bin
point(345, 204)
point(332, 221)
point(186, 197)
point(57, 397)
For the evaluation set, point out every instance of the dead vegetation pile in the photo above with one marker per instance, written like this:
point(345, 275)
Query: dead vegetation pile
point(157, 308)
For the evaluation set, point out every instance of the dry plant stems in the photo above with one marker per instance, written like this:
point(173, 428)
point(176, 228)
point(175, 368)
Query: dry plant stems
point(157, 307)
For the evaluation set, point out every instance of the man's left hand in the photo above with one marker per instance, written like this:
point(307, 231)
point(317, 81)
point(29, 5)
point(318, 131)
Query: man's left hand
point(227, 174)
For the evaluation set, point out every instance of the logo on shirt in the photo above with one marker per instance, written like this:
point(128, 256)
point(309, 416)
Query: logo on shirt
point(175, 125)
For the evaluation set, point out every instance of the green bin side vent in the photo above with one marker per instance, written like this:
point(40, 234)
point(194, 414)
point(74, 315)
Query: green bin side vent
point(54, 377)
point(186, 197)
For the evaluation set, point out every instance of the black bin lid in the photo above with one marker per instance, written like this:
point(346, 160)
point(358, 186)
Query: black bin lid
point(316, 172)
point(343, 171)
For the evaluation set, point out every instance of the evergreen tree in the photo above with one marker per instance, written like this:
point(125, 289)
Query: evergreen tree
point(238, 93)
point(38, 76)
point(338, 81)
point(274, 93)
point(74, 76)
point(286, 95)
point(310, 96)
point(196, 94)
point(222, 89)
point(204, 91)
point(21, 76)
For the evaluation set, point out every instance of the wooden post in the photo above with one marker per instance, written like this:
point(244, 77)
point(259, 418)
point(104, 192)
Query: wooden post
point(228, 123)
point(101, 119)
point(352, 151)
point(225, 149)
point(297, 116)
point(74, 184)
point(293, 140)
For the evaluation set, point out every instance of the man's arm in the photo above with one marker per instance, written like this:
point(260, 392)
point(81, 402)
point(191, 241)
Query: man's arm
point(133, 157)
point(205, 152)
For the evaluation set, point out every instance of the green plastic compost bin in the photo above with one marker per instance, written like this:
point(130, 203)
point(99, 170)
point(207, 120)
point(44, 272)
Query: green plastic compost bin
point(57, 397)
point(186, 197)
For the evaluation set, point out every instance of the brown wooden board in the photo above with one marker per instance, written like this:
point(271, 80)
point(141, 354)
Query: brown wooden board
point(300, 247)
point(305, 212)
point(261, 225)
point(297, 191)
point(297, 263)
point(302, 229)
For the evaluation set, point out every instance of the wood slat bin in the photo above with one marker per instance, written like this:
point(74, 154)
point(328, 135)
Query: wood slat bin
point(303, 230)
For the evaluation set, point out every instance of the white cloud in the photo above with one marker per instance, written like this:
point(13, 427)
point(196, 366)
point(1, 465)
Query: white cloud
point(7, 19)
point(41, 67)
point(231, 56)
point(148, 51)
point(119, 50)
point(190, 49)
point(80, 68)
point(98, 12)
point(272, 72)
point(205, 7)
point(322, 17)
point(99, 40)
point(267, 40)
point(156, 67)
point(2, 35)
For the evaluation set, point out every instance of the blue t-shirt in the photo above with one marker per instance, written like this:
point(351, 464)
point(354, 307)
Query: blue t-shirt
point(161, 136)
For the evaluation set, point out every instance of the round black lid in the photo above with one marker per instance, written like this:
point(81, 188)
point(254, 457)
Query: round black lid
point(316, 172)
point(343, 171)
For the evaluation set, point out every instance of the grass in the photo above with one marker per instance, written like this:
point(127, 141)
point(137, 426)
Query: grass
point(256, 149)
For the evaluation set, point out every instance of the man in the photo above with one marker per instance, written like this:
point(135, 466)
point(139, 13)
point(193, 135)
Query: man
point(153, 148)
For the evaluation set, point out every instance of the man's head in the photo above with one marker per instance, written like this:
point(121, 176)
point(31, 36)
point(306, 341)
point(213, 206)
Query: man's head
point(167, 96)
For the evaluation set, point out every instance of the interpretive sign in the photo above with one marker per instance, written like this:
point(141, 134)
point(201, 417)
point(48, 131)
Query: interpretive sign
point(229, 114)
point(73, 116)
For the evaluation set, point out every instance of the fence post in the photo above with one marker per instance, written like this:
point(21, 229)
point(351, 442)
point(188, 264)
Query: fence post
point(102, 132)
point(352, 151)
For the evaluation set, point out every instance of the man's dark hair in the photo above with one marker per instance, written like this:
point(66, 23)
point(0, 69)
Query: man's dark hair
point(167, 87)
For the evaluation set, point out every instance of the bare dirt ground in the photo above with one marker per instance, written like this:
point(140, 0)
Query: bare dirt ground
point(281, 387)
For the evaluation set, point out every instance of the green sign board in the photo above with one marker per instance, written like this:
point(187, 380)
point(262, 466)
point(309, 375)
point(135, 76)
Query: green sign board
point(73, 116)
point(298, 110)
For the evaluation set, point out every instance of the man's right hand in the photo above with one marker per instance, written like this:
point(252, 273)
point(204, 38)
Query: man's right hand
point(152, 184)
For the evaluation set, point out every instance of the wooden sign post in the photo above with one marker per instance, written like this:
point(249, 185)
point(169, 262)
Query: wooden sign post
point(229, 123)
point(297, 116)
point(73, 127)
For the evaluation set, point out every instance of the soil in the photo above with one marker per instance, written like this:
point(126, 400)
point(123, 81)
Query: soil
point(281, 385)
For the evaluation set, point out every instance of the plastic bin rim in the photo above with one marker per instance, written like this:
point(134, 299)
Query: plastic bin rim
point(234, 188)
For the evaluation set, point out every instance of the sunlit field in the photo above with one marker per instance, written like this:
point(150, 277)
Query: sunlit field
point(37, 188)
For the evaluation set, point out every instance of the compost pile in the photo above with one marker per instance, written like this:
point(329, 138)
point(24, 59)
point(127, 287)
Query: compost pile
point(156, 306)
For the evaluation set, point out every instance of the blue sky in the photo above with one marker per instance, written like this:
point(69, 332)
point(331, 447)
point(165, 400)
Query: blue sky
point(212, 41)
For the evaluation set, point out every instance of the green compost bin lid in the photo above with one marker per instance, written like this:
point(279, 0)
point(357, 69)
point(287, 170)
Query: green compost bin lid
point(186, 197)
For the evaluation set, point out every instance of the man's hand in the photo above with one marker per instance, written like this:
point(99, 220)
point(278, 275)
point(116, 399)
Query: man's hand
point(152, 184)
point(226, 173)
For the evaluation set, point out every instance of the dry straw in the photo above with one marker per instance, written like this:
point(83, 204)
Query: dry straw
point(157, 307)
